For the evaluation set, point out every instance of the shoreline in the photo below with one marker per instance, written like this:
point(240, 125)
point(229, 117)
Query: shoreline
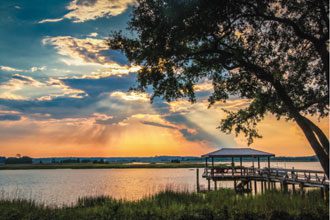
point(164, 165)
point(100, 166)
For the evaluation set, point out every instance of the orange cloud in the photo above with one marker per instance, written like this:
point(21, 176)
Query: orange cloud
point(87, 137)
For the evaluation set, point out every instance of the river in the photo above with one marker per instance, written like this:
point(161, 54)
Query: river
point(64, 186)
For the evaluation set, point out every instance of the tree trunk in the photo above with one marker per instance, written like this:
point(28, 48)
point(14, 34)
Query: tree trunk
point(319, 144)
point(305, 125)
point(320, 135)
point(315, 144)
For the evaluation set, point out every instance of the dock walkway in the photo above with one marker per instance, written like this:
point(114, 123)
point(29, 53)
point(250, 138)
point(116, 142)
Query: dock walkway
point(243, 176)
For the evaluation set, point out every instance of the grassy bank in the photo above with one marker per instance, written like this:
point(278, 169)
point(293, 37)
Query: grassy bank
point(99, 166)
point(222, 204)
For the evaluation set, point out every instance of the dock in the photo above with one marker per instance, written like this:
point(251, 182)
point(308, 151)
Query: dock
point(247, 179)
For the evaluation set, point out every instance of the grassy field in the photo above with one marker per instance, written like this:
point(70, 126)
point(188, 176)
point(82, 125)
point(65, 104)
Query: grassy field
point(100, 166)
point(222, 204)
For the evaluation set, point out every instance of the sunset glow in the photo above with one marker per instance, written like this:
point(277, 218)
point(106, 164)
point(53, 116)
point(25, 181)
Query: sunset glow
point(63, 93)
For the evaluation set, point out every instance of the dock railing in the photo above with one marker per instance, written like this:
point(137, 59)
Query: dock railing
point(312, 177)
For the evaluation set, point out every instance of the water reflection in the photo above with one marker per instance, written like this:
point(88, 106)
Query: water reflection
point(65, 186)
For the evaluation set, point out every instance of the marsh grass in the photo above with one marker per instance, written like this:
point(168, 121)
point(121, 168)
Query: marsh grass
point(221, 204)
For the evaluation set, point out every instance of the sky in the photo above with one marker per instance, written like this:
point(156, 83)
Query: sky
point(64, 93)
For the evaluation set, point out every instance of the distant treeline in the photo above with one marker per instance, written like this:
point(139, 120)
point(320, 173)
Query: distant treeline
point(16, 160)
point(156, 159)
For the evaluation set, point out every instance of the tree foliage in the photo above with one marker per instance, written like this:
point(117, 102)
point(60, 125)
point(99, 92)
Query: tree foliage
point(274, 53)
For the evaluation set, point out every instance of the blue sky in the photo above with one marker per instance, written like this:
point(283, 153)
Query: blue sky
point(64, 93)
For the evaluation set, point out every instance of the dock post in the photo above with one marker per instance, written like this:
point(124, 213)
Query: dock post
point(293, 188)
point(255, 186)
point(285, 186)
point(240, 163)
point(235, 184)
point(322, 193)
point(262, 187)
point(208, 184)
point(197, 180)
point(326, 189)
point(215, 185)
point(301, 185)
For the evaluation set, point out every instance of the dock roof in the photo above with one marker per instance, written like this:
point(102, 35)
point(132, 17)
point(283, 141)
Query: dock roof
point(238, 152)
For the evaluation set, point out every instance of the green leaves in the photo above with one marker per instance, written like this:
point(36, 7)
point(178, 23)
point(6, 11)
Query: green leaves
point(245, 47)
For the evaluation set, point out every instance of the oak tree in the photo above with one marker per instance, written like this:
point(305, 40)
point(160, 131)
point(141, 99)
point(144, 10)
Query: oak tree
point(274, 53)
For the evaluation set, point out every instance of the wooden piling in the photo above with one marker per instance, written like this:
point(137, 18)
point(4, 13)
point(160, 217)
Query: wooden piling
point(197, 180)
point(208, 184)
point(285, 186)
point(322, 193)
point(215, 185)
point(326, 190)
point(301, 186)
point(255, 187)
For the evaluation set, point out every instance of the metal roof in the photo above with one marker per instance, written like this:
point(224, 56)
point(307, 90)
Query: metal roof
point(238, 152)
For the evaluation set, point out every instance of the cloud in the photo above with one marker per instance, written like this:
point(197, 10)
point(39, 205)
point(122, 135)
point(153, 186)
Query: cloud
point(32, 69)
point(81, 51)
point(20, 87)
point(131, 96)
point(9, 69)
point(84, 136)
point(157, 124)
point(84, 10)
point(98, 85)
point(94, 34)
point(91, 51)
point(35, 69)
point(49, 20)
point(10, 117)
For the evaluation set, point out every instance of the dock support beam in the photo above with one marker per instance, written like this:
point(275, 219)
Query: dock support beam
point(215, 185)
point(240, 163)
point(208, 184)
point(255, 187)
point(285, 186)
point(301, 186)
point(326, 189)
point(232, 165)
point(197, 180)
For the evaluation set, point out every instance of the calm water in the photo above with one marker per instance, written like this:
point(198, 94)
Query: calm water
point(65, 186)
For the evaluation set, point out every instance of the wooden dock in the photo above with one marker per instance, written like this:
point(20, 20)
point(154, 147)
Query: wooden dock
point(266, 178)
point(243, 177)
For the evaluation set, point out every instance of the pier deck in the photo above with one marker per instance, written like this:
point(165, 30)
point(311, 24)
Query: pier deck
point(307, 178)
point(267, 177)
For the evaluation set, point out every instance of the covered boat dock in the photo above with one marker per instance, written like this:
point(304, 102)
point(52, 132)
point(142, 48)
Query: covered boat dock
point(265, 177)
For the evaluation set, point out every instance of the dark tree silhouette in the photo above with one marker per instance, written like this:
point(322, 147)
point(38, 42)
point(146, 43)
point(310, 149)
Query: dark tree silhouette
point(274, 53)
